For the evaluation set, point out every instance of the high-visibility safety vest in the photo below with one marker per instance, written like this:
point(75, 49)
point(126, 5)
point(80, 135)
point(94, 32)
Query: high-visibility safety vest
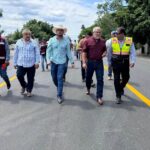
point(125, 50)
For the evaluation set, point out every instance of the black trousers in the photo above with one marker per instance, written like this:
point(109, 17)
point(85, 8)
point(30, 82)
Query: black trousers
point(120, 68)
point(21, 72)
point(83, 72)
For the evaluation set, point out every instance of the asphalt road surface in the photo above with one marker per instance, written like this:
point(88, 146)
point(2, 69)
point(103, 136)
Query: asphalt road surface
point(40, 123)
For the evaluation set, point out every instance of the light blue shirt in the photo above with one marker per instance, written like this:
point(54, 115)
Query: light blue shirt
point(121, 43)
point(59, 50)
point(27, 54)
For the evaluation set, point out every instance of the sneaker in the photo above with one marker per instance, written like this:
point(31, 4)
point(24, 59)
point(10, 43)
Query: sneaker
point(29, 94)
point(23, 91)
point(118, 100)
point(59, 100)
point(100, 101)
point(109, 78)
point(88, 92)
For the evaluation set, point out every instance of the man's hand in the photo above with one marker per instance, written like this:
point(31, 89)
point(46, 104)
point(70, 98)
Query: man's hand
point(84, 66)
point(104, 54)
point(132, 65)
point(36, 66)
point(48, 63)
point(7, 63)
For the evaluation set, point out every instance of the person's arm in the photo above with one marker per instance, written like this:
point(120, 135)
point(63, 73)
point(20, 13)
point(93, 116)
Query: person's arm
point(49, 51)
point(109, 51)
point(84, 54)
point(7, 51)
point(104, 51)
point(37, 53)
point(69, 55)
point(132, 55)
point(16, 55)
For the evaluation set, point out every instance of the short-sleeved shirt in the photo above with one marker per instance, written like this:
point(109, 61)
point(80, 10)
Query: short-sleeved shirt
point(94, 48)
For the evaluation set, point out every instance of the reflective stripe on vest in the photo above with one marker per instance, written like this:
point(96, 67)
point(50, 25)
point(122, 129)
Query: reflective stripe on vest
point(2, 58)
point(125, 50)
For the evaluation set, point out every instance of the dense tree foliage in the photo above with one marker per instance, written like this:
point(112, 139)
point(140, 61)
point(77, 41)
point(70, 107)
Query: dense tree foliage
point(131, 14)
point(39, 29)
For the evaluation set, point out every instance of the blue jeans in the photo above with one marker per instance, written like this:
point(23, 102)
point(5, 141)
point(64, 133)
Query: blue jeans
point(43, 59)
point(66, 68)
point(3, 74)
point(57, 72)
point(98, 67)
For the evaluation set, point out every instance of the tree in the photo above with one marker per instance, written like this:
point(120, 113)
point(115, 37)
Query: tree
point(83, 27)
point(108, 24)
point(105, 19)
point(136, 19)
point(12, 38)
point(85, 31)
point(39, 29)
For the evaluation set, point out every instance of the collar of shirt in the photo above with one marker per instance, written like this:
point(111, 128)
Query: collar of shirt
point(121, 41)
point(26, 42)
point(96, 40)
point(60, 39)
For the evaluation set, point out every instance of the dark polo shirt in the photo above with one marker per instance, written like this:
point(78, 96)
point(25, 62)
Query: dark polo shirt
point(94, 48)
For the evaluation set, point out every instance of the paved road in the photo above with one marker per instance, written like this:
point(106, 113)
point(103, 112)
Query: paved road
point(40, 123)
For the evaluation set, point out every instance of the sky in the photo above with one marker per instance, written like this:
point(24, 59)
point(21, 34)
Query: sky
point(70, 13)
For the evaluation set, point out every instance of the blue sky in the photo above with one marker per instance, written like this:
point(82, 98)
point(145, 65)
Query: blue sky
point(70, 13)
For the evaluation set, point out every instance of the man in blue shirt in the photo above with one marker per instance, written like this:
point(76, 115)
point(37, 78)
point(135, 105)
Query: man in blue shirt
point(57, 52)
point(26, 61)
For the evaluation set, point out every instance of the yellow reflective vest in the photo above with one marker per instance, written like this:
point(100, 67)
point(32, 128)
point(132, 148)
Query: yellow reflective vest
point(125, 50)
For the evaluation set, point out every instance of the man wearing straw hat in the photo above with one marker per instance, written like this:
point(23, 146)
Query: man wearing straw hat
point(57, 52)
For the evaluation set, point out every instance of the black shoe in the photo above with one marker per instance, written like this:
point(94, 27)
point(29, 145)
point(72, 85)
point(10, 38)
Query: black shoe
point(8, 86)
point(59, 100)
point(88, 92)
point(118, 100)
point(93, 85)
point(23, 91)
point(122, 92)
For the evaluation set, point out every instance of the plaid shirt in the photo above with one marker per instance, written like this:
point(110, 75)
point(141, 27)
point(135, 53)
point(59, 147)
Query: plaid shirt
point(26, 54)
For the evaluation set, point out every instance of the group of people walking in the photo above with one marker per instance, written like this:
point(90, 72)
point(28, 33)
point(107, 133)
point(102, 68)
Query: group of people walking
point(119, 50)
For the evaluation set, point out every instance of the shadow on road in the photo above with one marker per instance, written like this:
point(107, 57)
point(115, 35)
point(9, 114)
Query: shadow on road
point(35, 98)
point(70, 85)
point(83, 104)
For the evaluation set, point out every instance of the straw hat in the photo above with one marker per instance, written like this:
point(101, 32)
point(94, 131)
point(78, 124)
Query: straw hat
point(55, 28)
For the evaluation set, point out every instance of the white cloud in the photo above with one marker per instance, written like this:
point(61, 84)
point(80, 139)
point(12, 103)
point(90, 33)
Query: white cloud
point(71, 13)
